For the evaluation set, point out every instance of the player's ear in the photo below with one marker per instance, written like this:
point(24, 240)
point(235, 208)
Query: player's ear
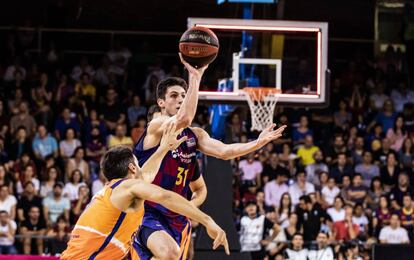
point(161, 102)
point(133, 168)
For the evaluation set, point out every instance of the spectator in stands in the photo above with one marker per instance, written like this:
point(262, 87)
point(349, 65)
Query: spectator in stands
point(394, 234)
point(397, 193)
point(287, 157)
point(69, 144)
point(234, 128)
point(367, 169)
point(136, 110)
point(8, 201)
point(381, 155)
point(10, 70)
point(46, 188)
point(44, 144)
point(357, 151)
point(77, 162)
point(274, 190)
point(407, 215)
point(71, 188)
point(300, 187)
point(7, 232)
point(14, 102)
point(338, 147)
point(21, 144)
point(23, 119)
point(311, 216)
point(375, 192)
point(400, 96)
point(406, 154)
point(357, 192)
point(323, 251)
point(297, 251)
point(58, 236)
point(361, 220)
point(33, 229)
point(98, 184)
point(251, 170)
point(390, 172)
point(337, 212)
point(5, 177)
point(322, 181)
point(284, 210)
point(313, 170)
point(92, 121)
point(138, 129)
point(376, 134)
point(378, 97)
point(253, 230)
point(4, 157)
point(346, 229)
point(381, 216)
point(273, 168)
point(26, 201)
point(397, 134)
point(283, 234)
point(341, 168)
point(342, 117)
point(65, 121)
point(64, 89)
point(386, 117)
point(79, 205)
point(56, 205)
point(306, 152)
point(83, 67)
point(301, 131)
point(329, 193)
point(112, 111)
point(28, 176)
point(120, 137)
point(84, 88)
point(41, 99)
point(95, 149)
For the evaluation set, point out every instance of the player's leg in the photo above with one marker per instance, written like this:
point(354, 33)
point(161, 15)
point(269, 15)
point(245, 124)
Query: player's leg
point(163, 246)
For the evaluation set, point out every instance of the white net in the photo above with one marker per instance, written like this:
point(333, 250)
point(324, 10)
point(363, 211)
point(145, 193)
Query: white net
point(262, 105)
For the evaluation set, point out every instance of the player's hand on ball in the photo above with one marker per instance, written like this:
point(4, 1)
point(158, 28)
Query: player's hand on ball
point(191, 70)
point(219, 236)
point(169, 138)
point(269, 134)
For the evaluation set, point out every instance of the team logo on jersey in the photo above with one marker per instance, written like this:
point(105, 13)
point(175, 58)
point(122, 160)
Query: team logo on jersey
point(191, 142)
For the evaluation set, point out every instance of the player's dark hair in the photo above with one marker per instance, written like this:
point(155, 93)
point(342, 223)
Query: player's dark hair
point(164, 84)
point(115, 162)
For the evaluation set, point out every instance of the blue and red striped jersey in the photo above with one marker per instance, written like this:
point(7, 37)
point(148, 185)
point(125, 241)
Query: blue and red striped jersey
point(176, 172)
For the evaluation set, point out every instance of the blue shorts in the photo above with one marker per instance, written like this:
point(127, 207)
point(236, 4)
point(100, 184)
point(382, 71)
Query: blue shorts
point(154, 223)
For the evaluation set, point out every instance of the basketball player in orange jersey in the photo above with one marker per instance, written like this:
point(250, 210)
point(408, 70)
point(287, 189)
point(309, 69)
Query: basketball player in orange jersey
point(164, 234)
point(105, 228)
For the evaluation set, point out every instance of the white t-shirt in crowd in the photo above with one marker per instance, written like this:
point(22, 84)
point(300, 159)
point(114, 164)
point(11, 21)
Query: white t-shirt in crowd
point(4, 241)
point(361, 221)
point(321, 254)
point(36, 183)
point(71, 191)
point(336, 215)
point(330, 194)
point(97, 185)
point(8, 203)
point(296, 192)
point(394, 236)
point(250, 170)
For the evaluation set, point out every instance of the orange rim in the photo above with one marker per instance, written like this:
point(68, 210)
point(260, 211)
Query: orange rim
point(258, 93)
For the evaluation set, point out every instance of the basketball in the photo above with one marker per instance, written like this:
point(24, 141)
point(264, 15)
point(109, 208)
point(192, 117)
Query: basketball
point(199, 46)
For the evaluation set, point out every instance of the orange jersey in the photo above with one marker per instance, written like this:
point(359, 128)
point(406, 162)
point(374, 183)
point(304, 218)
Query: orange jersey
point(103, 231)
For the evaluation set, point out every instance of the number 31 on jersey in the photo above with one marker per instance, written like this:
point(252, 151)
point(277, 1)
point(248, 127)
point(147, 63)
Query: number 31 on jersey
point(180, 178)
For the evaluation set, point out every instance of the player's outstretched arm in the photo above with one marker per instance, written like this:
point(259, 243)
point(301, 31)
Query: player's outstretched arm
point(180, 205)
point(217, 149)
point(168, 142)
point(188, 108)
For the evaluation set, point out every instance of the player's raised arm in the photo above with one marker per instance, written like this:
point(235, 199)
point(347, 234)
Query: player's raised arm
point(217, 149)
point(168, 142)
point(180, 205)
point(172, 96)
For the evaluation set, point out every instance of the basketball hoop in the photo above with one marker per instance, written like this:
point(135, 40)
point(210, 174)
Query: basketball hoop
point(262, 102)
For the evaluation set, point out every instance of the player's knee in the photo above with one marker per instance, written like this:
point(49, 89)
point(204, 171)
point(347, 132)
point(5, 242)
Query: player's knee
point(169, 253)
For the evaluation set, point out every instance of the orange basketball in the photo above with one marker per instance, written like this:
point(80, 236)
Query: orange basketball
point(199, 46)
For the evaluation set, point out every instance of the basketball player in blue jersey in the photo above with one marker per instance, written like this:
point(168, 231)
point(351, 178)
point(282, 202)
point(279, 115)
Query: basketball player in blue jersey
point(163, 233)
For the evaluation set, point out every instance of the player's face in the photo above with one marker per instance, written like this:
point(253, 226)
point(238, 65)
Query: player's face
point(173, 100)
